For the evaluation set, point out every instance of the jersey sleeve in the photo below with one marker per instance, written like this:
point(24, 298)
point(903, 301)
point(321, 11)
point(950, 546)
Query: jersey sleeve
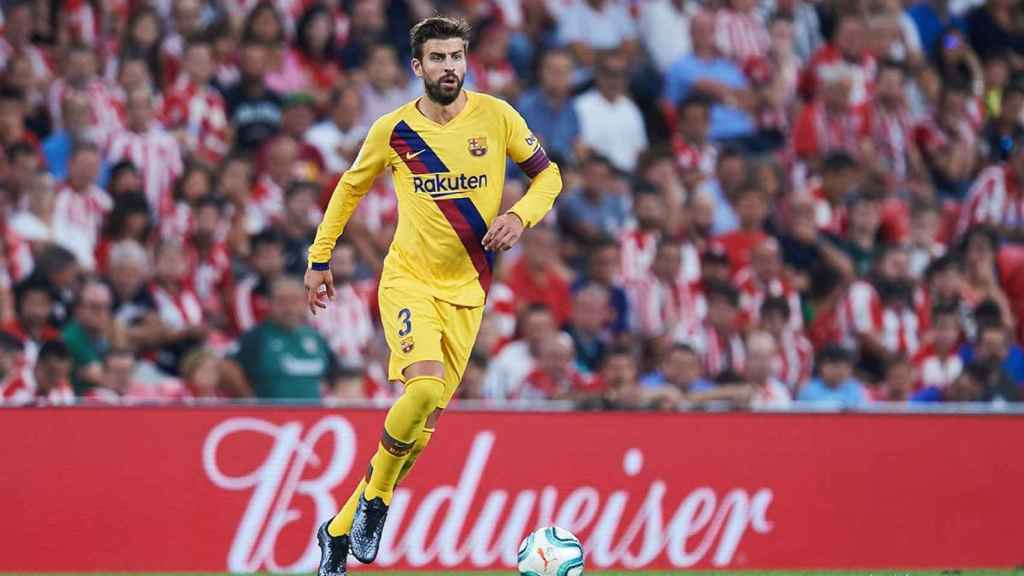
point(354, 184)
point(546, 181)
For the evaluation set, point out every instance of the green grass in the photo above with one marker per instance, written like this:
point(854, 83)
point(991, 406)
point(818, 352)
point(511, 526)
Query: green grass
point(357, 572)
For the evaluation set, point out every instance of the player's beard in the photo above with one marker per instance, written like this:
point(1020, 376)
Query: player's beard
point(441, 95)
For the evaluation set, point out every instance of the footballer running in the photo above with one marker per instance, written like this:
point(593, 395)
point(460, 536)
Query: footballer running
point(447, 152)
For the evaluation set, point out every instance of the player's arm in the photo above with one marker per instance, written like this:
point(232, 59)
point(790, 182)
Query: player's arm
point(545, 185)
point(353, 185)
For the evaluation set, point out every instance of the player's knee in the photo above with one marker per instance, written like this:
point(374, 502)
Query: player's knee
point(425, 393)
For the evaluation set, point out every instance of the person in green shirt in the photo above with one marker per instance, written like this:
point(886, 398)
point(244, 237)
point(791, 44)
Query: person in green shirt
point(283, 357)
point(86, 336)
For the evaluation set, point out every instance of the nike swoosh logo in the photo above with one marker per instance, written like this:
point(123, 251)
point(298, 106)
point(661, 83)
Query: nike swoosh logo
point(411, 155)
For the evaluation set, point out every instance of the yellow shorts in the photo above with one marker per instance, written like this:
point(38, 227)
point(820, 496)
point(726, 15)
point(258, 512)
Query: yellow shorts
point(419, 327)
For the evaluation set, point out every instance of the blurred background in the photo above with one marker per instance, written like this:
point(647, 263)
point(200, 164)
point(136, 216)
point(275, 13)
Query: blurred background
point(765, 202)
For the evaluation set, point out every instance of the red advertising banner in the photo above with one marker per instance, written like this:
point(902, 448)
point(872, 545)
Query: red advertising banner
point(243, 489)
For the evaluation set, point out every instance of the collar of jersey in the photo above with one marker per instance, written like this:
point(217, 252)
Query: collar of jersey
point(470, 102)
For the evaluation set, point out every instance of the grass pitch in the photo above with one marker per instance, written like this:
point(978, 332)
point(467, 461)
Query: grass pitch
point(356, 572)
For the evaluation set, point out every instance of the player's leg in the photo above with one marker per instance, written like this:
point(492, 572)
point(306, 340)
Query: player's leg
point(424, 389)
point(412, 330)
point(461, 325)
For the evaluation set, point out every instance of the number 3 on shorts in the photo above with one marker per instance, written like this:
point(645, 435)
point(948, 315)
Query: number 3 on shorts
point(404, 316)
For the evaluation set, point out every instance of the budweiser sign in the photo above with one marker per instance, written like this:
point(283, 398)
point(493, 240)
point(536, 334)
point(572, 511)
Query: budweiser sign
point(459, 525)
point(242, 489)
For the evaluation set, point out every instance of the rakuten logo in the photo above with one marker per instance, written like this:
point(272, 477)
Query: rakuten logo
point(438, 185)
point(457, 526)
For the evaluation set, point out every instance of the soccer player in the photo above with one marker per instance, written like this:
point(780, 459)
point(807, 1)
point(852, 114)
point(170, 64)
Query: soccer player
point(447, 151)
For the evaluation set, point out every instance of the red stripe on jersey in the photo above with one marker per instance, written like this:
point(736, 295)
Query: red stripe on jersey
point(469, 239)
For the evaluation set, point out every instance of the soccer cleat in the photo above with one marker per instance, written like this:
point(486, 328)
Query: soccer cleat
point(367, 527)
point(333, 552)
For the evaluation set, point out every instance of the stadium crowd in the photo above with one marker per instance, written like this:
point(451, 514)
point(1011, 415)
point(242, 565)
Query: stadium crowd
point(765, 201)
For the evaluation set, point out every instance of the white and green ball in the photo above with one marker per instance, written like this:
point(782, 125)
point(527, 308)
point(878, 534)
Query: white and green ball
point(550, 551)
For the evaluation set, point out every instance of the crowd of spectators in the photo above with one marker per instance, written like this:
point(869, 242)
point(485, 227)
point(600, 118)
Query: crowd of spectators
point(764, 200)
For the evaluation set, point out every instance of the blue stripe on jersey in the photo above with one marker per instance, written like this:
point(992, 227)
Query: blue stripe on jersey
point(417, 155)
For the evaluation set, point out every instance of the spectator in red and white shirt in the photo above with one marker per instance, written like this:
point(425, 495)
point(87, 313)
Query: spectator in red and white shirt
point(267, 197)
point(539, 276)
point(339, 136)
point(840, 174)
point(507, 372)
point(923, 237)
point(210, 260)
point(997, 198)
point(763, 279)
point(740, 33)
point(251, 299)
point(80, 206)
point(664, 304)
point(752, 212)
point(17, 39)
point(194, 111)
point(829, 122)
point(887, 316)
point(639, 243)
point(149, 147)
point(80, 78)
point(45, 383)
point(177, 306)
point(938, 363)
point(760, 372)
point(844, 54)
point(717, 339)
point(196, 183)
point(795, 355)
point(556, 376)
point(892, 128)
point(489, 68)
point(32, 324)
point(948, 143)
point(346, 323)
point(11, 359)
point(696, 156)
point(187, 22)
point(13, 109)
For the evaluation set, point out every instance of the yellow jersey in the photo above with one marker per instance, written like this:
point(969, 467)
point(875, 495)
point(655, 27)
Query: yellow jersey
point(449, 181)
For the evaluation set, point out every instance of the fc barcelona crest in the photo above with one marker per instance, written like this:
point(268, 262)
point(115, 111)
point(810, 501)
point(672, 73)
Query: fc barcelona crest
point(478, 146)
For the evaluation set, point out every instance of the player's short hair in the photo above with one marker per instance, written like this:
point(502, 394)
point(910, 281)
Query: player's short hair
point(437, 28)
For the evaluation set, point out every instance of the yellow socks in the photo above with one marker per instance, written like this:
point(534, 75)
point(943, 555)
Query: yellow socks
point(403, 439)
point(421, 443)
point(342, 523)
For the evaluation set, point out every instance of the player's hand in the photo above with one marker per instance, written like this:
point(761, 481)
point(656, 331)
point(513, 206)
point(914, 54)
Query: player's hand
point(503, 233)
point(314, 280)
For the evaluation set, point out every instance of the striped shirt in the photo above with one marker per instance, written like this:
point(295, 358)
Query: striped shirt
point(156, 154)
point(741, 37)
point(995, 199)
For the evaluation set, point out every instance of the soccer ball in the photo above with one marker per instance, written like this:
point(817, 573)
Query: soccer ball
point(550, 551)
